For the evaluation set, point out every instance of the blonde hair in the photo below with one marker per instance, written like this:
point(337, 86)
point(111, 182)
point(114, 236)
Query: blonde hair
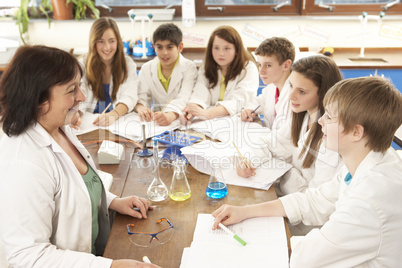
point(94, 65)
point(372, 102)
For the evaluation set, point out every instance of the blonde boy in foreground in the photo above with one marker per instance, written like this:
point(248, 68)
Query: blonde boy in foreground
point(167, 80)
point(360, 206)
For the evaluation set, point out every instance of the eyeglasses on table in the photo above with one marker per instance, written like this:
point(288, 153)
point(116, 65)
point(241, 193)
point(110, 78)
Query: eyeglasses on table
point(144, 239)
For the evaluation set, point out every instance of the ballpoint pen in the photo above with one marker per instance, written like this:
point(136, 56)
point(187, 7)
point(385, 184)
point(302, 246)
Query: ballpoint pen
point(241, 241)
point(253, 112)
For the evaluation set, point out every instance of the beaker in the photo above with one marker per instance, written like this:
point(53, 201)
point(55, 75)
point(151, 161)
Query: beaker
point(216, 188)
point(179, 189)
point(157, 191)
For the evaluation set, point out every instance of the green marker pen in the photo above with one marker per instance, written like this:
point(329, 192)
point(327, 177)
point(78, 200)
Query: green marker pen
point(241, 241)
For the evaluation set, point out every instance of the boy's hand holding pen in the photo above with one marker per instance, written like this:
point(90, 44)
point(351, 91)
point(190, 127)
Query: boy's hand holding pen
point(248, 114)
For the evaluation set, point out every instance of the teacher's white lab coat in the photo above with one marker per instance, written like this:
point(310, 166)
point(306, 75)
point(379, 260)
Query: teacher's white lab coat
point(127, 93)
point(362, 221)
point(275, 115)
point(46, 210)
point(180, 87)
point(238, 92)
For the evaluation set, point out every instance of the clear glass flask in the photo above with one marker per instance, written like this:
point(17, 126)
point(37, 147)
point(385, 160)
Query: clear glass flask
point(179, 189)
point(216, 188)
point(157, 191)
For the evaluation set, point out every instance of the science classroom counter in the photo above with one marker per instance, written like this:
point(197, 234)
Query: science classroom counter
point(129, 179)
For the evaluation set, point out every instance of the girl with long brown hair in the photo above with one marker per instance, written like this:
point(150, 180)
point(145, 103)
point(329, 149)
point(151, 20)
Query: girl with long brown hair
point(227, 80)
point(110, 76)
point(299, 140)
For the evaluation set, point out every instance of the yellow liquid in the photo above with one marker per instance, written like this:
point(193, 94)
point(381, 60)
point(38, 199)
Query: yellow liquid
point(179, 196)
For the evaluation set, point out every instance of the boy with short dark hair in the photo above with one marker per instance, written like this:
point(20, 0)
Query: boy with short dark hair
point(168, 77)
point(275, 56)
point(359, 207)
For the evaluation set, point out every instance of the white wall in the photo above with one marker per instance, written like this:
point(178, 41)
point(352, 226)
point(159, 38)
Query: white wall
point(341, 31)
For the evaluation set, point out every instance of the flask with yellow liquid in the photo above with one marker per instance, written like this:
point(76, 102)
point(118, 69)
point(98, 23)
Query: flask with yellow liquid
point(179, 189)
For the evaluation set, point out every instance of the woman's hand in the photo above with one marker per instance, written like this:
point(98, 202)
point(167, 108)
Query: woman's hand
point(227, 215)
point(131, 263)
point(126, 205)
point(247, 115)
point(243, 171)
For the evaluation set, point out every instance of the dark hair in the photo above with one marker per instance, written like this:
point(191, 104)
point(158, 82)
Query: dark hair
point(324, 73)
point(27, 81)
point(280, 47)
point(242, 58)
point(95, 67)
point(168, 31)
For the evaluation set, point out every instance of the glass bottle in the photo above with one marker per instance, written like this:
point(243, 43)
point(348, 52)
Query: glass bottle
point(216, 188)
point(157, 191)
point(179, 189)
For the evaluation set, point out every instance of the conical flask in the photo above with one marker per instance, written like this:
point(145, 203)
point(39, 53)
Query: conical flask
point(179, 189)
point(157, 191)
point(216, 188)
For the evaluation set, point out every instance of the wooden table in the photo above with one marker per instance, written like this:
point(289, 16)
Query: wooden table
point(183, 214)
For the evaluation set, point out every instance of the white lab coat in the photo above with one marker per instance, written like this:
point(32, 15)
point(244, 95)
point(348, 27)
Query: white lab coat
point(278, 144)
point(362, 221)
point(127, 93)
point(180, 87)
point(268, 108)
point(47, 220)
point(238, 92)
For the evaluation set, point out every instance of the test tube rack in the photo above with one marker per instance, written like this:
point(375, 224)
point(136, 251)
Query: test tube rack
point(175, 141)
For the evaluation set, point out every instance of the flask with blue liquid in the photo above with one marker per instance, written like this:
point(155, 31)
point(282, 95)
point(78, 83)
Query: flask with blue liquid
point(216, 188)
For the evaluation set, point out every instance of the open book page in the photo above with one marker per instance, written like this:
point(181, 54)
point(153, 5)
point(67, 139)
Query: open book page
point(266, 244)
point(128, 126)
point(86, 123)
point(207, 153)
point(230, 128)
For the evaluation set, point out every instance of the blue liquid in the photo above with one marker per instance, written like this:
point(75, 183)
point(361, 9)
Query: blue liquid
point(216, 190)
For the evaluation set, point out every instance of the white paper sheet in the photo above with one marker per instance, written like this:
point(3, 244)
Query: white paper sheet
point(266, 244)
point(128, 126)
point(202, 156)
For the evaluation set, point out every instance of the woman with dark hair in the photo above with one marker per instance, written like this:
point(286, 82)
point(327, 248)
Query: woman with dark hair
point(55, 208)
point(227, 80)
point(299, 140)
point(110, 76)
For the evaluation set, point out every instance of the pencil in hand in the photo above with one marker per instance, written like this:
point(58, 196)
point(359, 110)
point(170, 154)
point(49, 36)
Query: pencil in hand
point(166, 105)
point(244, 160)
point(107, 107)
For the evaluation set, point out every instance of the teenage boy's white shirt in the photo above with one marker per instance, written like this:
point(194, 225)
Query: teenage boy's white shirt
point(279, 144)
point(362, 221)
point(127, 93)
point(46, 208)
point(266, 101)
point(238, 92)
point(180, 88)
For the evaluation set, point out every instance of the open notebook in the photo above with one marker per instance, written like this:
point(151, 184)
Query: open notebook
point(265, 237)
